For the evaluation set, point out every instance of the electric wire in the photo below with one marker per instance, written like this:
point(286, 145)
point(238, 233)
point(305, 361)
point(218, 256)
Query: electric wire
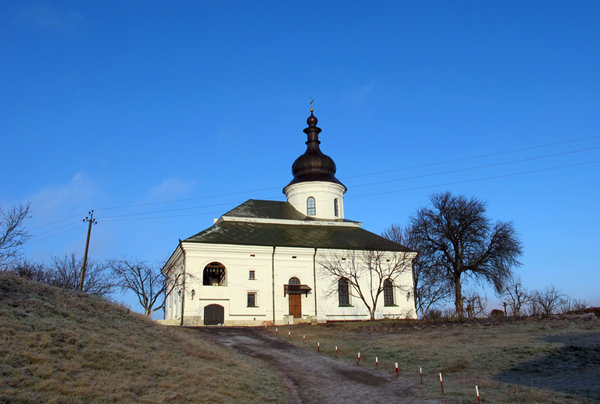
point(476, 179)
point(392, 191)
point(367, 184)
point(354, 186)
point(54, 235)
point(474, 157)
point(359, 175)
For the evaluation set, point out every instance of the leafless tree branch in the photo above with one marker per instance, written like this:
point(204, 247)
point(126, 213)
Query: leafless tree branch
point(12, 233)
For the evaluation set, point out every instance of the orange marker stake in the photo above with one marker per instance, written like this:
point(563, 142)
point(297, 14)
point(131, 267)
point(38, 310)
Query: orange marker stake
point(275, 331)
point(477, 390)
point(289, 335)
point(336, 351)
point(318, 347)
point(358, 359)
point(376, 363)
point(442, 383)
point(397, 371)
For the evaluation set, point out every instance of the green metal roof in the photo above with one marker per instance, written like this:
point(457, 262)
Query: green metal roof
point(283, 235)
point(256, 208)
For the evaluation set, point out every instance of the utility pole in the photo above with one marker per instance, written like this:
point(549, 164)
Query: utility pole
point(91, 221)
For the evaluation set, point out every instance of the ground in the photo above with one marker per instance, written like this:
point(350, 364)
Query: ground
point(314, 378)
point(549, 360)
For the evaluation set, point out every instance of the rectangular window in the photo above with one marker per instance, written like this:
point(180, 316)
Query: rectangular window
point(252, 299)
point(251, 275)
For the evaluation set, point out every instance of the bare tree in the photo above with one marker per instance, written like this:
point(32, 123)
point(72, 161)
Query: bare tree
point(12, 233)
point(476, 304)
point(65, 272)
point(456, 239)
point(366, 272)
point(150, 283)
point(516, 296)
point(549, 299)
point(428, 288)
point(30, 270)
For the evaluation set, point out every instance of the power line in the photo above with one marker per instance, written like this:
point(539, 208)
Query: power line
point(386, 192)
point(475, 168)
point(359, 175)
point(474, 157)
point(355, 176)
point(367, 184)
point(58, 221)
point(477, 179)
point(54, 235)
point(57, 228)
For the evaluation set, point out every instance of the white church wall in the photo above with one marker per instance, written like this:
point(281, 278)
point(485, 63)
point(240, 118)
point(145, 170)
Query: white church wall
point(233, 295)
point(288, 263)
point(328, 302)
point(293, 262)
point(324, 193)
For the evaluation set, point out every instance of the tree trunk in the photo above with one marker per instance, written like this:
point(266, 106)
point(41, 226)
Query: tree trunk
point(458, 298)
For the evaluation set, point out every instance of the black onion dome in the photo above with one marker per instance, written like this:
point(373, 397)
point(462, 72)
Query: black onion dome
point(313, 165)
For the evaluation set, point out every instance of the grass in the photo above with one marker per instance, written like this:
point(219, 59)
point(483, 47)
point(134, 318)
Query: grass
point(467, 354)
point(60, 346)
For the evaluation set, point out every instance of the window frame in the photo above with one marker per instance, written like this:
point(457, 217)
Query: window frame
point(311, 206)
point(251, 275)
point(336, 208)
point(344, 293)
point(388, 293)
point(255, 298)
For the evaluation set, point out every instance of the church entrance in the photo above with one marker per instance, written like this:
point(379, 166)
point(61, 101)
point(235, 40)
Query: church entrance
point(296, 306)
point(214, 314)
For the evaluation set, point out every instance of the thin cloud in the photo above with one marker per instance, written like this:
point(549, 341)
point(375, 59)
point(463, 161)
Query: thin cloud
point(56, 201)
point(45, 17)
point(169, 188)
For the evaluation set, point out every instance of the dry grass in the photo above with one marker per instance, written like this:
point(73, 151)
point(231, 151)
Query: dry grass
point(504, 358)
point(59, 346)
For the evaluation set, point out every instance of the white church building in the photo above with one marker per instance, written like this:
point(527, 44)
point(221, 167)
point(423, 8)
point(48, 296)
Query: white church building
point(288, 262)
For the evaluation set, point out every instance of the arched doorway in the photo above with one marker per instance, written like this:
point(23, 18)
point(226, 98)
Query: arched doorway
point(214, 275)
point(214, 314)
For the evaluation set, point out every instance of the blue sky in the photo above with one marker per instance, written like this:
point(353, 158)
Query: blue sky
point(163, 115)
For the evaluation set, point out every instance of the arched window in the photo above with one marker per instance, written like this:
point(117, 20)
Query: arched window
point(214, 274)
point(388, 293)
point(311, 208)
point(343, 293)
point(294, 281)
point(336, 209)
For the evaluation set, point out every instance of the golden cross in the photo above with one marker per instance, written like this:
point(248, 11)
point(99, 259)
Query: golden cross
point(311, 107)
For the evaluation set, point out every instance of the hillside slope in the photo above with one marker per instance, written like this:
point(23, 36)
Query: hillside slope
point(67, 347)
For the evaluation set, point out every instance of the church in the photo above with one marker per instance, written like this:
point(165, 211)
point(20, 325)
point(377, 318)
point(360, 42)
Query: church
point(271, 262)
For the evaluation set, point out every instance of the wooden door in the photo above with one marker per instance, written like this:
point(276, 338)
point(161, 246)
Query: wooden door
point(296, 306)
point(214, 314)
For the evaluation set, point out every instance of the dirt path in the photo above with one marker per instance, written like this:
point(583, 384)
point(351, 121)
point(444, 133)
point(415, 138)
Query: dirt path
point(312, 378)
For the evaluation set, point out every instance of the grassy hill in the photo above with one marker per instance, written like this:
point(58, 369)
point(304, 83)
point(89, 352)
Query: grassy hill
point(60, 346)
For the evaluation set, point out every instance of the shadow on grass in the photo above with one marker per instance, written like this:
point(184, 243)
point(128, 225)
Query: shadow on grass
point(572, 369)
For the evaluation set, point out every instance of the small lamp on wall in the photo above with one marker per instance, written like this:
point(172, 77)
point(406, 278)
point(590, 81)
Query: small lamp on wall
point(193, 294)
